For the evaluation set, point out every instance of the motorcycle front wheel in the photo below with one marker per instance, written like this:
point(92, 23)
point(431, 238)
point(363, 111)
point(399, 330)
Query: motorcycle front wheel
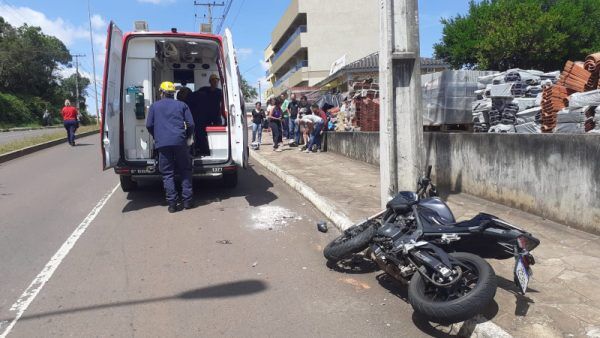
point(355, 239)
point(461, 301)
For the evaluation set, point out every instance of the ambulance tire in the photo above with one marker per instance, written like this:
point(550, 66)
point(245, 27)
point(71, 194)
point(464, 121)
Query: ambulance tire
point(127, 184)
point(230, 180)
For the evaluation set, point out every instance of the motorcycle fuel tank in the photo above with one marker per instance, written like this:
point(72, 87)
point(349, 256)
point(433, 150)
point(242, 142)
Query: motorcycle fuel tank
point(441, 212)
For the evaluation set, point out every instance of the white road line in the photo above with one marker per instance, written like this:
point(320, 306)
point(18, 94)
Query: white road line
point(44, 276)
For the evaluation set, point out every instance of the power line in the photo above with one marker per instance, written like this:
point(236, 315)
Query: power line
point(224, 16)
point(238, 13)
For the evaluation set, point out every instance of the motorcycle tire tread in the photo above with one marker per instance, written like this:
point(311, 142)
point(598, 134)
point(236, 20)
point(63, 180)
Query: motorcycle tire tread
point(336, 251)
point(461, 309)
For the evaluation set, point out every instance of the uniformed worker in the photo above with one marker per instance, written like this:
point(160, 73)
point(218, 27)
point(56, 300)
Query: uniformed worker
point(171, 124)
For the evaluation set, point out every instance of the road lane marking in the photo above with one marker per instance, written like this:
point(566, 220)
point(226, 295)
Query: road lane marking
point(21, 305)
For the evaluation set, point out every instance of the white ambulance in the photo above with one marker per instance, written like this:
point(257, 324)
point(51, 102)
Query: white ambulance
point(136, 63)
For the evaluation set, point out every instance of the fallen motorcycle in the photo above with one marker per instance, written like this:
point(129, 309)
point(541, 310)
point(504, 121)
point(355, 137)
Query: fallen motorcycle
point(417, 240)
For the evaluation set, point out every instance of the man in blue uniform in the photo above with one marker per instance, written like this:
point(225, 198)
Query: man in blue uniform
point(170, 122)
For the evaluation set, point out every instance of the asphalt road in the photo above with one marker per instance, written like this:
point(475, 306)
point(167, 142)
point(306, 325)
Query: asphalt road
point(11, 136)
point(245, 262)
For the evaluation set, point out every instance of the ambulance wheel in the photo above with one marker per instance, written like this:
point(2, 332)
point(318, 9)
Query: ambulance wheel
point(230, 180)
point(128, 184)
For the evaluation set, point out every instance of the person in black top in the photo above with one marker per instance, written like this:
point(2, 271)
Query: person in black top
point(258, 116)
point(294, 132)
point(214, 101)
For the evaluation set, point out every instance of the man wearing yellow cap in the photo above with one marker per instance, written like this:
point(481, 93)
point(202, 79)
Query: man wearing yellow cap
point(170, 122)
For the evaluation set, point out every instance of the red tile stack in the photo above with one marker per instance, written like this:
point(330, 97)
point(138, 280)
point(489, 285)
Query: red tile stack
point(367, 114)
point(554, 99)
point(592, 65)
point(574, 77)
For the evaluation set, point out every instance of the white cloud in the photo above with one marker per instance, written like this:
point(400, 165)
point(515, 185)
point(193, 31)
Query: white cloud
point(64, 31)
point(243, 53)
point(157, 2)
point(264, 65)
point(98, 22)
point(66, 72)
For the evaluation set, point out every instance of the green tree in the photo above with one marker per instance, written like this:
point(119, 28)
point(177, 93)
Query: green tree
point(248, 91)
point(504, 34)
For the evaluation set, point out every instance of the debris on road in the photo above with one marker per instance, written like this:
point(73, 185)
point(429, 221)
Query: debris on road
point(224, 241)
point(270, 217)
point(322, 226)
point(254, 264)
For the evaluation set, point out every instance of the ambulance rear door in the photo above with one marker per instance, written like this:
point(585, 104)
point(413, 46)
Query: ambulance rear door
point(237, 117)
point(111, 98)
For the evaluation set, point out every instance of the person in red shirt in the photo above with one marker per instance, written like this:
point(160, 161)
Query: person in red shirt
point(69, 115)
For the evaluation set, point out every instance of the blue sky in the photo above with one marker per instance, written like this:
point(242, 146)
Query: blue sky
point(251, 22)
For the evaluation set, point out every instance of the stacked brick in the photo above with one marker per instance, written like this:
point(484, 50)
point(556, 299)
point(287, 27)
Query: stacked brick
point(367, 113)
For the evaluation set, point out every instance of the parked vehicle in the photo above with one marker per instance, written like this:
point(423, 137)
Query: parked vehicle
point(136, 63)
point(416, 239)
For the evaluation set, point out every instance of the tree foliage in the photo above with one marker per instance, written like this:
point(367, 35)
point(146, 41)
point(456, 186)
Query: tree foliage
point(248, 91)
point(30, 80)
point(535, 34)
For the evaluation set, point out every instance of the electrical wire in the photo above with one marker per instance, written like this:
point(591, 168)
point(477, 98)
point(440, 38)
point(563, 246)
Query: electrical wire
point(238, 14)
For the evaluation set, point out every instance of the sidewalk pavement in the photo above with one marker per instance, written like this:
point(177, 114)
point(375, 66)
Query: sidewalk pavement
point(563, 299)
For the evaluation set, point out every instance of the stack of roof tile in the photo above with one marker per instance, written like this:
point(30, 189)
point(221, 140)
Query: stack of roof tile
point(574, 77)
point(554, 99)
point(590, 123)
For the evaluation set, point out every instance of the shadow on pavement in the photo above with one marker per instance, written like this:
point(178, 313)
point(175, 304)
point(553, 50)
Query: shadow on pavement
point(521, 302)
point(84, 144)
point(251, 185)
point(225, 290)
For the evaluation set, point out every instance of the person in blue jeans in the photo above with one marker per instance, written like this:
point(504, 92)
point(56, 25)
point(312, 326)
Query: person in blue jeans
point(318, 123)
point(170, 122)
point(258, 116)
point(292, 108)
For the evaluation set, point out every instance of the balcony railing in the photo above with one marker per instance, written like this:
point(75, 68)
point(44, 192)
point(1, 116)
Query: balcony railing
point(289, 73)
point(298, 31)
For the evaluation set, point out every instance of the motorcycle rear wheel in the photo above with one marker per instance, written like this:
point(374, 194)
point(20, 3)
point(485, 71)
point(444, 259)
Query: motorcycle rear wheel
point(355, 239)
point(470, 296)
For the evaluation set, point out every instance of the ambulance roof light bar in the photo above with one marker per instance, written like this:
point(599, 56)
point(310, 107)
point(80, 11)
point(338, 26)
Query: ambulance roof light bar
point(140, 26)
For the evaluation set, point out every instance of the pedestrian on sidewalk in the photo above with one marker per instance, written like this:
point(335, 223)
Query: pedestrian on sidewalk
point(69, 115)
point(275, 118)
point(170, 122)
point(292, 109)
point(314, 144)
point(258, 116)
point(285, 121)
point(46, 118)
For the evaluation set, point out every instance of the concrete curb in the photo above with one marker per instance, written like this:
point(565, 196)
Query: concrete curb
point(26, 151)
point(27, 128)
point(478, 327)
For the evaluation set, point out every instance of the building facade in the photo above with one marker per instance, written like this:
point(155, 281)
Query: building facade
point(313, 34)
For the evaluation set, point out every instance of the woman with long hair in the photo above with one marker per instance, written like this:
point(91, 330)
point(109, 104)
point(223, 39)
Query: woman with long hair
point(275, 119)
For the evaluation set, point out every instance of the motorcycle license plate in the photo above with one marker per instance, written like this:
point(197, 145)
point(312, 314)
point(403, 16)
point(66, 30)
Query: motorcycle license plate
point(522, 275)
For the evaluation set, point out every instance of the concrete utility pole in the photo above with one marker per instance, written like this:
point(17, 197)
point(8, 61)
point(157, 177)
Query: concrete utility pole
point(259, 92)
point(210, 6)
point(77, 56)
point(401, 121)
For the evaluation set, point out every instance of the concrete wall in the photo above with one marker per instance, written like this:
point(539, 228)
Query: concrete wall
point(553, 176)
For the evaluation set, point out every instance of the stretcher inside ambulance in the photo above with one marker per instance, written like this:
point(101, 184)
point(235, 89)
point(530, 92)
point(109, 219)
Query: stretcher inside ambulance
point(136, 64)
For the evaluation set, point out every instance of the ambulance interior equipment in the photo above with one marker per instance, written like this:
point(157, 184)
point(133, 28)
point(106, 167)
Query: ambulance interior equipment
point(149, 62)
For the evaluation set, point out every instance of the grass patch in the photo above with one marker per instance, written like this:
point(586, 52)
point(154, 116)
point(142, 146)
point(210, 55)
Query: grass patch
point(35, 140)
